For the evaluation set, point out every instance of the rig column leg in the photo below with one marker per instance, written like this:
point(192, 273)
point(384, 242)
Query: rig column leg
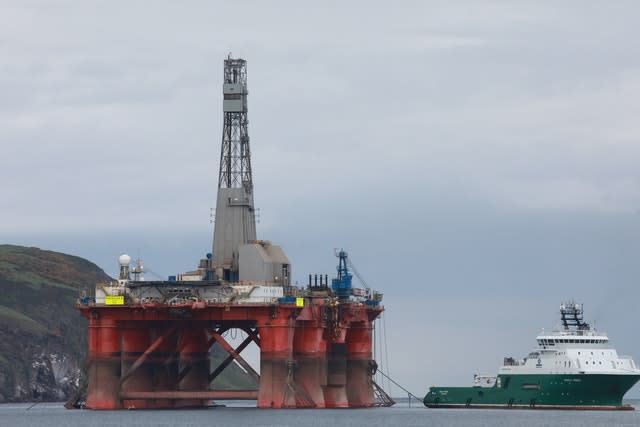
point(135, 341)
point(335, 393)
point(276, 352)
point(104, 356)
point(164, 361)
point(194, 361)
point(310, 352)
point(359, 365)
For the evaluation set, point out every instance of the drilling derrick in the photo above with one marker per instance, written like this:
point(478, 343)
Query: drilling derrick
point(235, 215)
point(149, 341)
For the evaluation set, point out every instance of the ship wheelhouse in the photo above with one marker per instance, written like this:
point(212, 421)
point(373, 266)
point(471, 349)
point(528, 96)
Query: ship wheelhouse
point(554, 341)
point(576, 348)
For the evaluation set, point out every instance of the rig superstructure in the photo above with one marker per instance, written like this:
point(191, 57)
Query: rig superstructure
point(149, 341)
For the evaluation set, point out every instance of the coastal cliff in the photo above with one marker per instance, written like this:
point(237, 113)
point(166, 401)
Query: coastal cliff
point(43, 338)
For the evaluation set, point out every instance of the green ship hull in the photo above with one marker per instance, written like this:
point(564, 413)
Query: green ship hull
point(546, 391)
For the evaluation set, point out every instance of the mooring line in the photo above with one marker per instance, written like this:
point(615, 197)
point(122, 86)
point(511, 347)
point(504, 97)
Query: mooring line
point(402, 388)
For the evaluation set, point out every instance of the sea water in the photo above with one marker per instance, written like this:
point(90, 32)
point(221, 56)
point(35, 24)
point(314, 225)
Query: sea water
point(245, 414)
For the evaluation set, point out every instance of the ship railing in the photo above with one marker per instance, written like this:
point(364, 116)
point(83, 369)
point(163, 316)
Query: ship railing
point(574, 332)
point(510, 361)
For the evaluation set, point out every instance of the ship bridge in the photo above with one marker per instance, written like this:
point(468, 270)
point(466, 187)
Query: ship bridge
point(596, 339)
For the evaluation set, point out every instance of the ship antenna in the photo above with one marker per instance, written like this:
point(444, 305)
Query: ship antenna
point(571, 315)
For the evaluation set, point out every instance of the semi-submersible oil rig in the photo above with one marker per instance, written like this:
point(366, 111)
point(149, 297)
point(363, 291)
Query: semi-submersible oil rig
point(149, 341)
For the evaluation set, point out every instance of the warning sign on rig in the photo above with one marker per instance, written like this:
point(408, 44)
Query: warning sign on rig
point(299, 302)
point(114, 300)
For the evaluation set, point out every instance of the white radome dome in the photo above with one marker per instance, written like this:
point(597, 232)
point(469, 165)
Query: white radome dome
point(124, 260)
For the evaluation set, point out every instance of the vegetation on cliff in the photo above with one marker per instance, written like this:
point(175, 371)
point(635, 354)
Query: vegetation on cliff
point(43, 339)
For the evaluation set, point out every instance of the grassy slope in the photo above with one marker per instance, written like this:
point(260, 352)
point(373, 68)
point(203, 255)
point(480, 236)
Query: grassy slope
point(38, 292)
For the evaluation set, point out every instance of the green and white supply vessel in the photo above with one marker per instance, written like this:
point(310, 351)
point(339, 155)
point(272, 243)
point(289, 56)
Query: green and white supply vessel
point(573, 368)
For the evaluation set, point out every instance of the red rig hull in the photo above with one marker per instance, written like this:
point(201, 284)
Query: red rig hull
point(156, 356)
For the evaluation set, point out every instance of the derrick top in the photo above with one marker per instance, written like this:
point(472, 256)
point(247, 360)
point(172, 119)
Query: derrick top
point(235, 71)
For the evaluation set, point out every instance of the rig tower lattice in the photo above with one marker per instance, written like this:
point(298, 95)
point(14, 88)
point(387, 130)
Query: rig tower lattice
point(235, 214)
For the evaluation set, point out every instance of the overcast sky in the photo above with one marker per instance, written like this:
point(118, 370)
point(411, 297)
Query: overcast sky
point(478, 161)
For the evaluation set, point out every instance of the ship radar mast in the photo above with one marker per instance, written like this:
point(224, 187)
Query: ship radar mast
point(571, 315)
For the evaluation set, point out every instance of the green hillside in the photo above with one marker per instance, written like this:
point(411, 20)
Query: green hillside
point(42, 336)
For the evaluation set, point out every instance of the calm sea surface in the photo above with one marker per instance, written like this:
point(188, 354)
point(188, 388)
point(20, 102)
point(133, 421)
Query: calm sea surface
point(244, 414)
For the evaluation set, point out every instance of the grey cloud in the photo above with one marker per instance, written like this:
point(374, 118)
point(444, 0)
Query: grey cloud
point(457, 150)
